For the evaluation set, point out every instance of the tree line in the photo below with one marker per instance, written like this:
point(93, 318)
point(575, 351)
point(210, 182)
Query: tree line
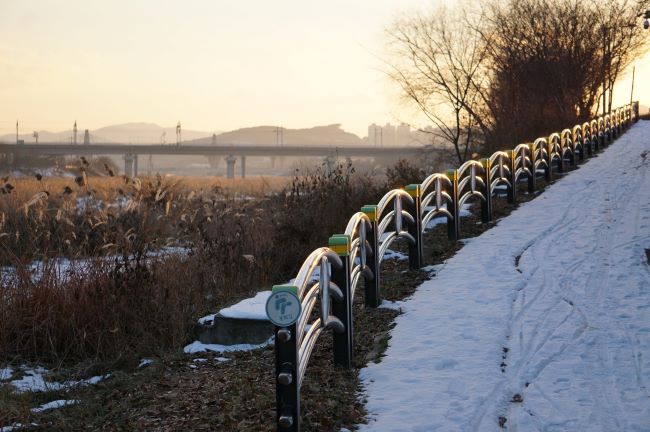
point(490, 74)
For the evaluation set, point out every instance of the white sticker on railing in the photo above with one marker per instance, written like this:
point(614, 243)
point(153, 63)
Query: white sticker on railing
point(283, 308)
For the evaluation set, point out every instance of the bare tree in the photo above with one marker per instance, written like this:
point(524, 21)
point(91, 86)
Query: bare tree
point(618, 24)
point(516, 69)
point(542, 55)
point(436, 70)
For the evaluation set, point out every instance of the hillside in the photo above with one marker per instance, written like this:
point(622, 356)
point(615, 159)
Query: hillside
point(268, 135)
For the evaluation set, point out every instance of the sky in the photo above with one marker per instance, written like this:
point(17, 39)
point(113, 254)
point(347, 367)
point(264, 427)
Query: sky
point(214, 65)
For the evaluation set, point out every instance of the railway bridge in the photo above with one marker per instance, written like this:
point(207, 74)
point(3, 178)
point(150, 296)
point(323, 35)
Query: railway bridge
point(231, 152)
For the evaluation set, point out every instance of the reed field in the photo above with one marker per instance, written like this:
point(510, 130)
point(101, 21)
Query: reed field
point(172, 250)
point(108, 269)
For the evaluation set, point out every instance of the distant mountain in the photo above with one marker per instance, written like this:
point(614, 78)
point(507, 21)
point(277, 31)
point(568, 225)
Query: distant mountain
point(127, 133)
point(331, 135)
point(151, 133)
point(146, 133)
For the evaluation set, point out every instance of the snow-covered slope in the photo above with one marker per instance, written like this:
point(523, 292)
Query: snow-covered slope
point(541, 323)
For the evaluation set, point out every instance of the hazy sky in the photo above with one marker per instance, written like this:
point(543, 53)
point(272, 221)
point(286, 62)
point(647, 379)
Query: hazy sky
point(213, 64)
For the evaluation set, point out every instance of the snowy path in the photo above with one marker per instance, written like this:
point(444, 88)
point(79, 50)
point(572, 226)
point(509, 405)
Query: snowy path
point(542, 323)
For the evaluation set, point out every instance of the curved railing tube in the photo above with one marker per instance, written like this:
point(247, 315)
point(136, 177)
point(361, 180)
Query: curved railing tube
point(396, 216)
point(501, 174)
point(436, 191)
point(295, 343)
point(567, 146)
point(360, 249)
point(578, 142)
point(328, 279)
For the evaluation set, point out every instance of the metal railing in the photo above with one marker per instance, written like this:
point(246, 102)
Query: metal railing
point(330, 276)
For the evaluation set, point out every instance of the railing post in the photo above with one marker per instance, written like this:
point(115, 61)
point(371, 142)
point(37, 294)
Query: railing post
point(572, 147)
point(372, 293)
point(560, 164)
point(287, 392)
point(601, 138)
point(608, 126)
point(486, 205)
point(343, 342)
point(548, 172)
point(453, 225)
point(512, 190)
point(532, 178)
point(582, 146)
point(415, 229)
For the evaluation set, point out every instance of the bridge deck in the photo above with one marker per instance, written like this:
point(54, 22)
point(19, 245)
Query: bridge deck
point(219, 150)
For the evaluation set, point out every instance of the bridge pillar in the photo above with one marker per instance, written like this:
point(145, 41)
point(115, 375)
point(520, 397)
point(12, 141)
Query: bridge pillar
point(243, 167)
point(230, 167)
point(128, 165)
point(135, 165)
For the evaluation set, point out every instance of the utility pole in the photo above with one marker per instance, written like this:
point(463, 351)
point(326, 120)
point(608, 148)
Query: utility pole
point(632, 91)
point(604, 70)
point(279, 136)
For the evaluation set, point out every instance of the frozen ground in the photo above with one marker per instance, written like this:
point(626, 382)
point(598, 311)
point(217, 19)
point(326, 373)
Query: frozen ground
point(34, 380)
point(540, 324)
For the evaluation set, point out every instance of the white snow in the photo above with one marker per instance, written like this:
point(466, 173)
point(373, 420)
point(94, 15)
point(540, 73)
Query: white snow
point(197, 347)
point(6, 373)
point(463, 212)
point(63, 267)
point(144, 362)
point(54, 404)
point(391, 254)
point(16, 426)
point(33, 380)
point(251, 308)
point(551, 306)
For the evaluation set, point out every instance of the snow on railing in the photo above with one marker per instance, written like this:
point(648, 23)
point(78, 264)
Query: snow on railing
point(329, 277)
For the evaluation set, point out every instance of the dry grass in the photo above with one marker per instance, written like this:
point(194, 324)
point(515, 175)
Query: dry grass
point(176, 393)
point(120, 299)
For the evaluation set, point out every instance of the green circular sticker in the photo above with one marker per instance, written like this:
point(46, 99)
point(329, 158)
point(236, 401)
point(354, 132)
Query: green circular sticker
point(283, 308)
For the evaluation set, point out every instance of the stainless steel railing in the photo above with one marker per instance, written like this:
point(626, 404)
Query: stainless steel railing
point(328, 280)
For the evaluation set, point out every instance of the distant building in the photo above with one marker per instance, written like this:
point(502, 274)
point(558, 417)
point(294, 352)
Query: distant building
point(375, 137)
point(403, 135)
point(86, 137)
point(389, 135)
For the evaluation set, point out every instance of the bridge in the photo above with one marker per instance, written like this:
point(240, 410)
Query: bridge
point(230, 152)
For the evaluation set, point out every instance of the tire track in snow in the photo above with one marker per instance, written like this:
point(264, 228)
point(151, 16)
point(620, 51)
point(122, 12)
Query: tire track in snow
point(535, 345)
point(600, 281)
point(579, 327)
